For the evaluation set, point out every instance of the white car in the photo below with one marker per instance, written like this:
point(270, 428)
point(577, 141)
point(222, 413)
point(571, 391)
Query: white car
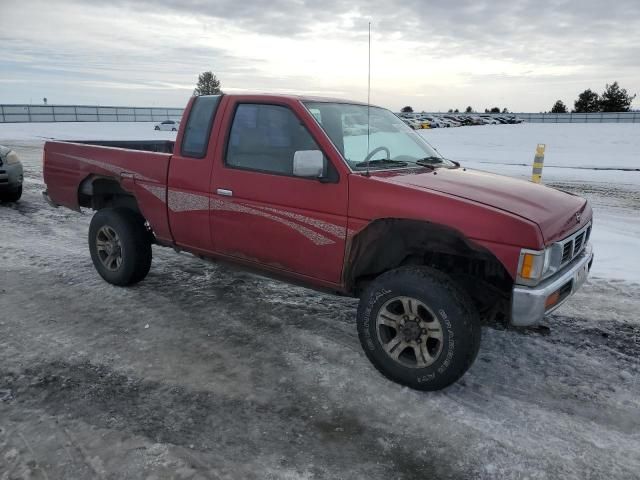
point(168, 125)
point(489, 120)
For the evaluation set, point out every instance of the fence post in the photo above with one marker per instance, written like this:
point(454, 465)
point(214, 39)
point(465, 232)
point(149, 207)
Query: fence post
point(538, 163)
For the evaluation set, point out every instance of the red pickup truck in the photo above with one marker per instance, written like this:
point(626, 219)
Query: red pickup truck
point(341, 197)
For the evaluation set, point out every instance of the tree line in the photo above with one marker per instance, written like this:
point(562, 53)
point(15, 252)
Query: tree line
point(613, 99)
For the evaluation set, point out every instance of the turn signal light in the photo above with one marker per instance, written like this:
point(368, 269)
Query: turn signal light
point(552, 300)
point(527, 265)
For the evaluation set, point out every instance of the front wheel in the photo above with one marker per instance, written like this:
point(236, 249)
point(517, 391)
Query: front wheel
point(418, 328)
point(12, 196)
point(120, 246)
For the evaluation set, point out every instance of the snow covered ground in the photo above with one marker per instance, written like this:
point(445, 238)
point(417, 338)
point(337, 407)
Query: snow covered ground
point(598, 161)
point(204, 372)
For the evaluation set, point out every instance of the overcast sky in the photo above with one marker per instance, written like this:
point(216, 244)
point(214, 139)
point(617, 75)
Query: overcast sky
point(433, 55)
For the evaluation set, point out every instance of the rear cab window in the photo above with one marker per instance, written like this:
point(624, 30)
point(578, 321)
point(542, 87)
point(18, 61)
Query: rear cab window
point(198, 127)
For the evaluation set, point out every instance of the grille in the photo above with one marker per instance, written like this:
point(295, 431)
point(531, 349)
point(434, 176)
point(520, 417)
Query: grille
point(577, 243)
point(573, 245)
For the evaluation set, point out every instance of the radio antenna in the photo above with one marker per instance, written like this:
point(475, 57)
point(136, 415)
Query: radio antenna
point(368, 101)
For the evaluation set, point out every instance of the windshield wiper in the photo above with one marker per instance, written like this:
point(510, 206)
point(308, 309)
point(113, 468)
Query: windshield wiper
point(382, 161)
point(429, 161)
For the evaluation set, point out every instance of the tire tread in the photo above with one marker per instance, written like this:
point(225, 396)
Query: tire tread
point(428, 275)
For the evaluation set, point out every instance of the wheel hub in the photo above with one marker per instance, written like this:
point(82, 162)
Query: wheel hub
point(109, 248)
point(411, 331)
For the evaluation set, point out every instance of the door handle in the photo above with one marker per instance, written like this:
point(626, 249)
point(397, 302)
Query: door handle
point(225, 192)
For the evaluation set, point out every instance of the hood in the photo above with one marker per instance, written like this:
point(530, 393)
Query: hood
point(557, 213)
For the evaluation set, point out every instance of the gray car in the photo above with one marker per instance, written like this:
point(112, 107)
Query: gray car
point(11, 175)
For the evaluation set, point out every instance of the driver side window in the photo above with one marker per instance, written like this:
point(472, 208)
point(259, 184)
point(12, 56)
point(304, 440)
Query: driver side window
point(265, 138)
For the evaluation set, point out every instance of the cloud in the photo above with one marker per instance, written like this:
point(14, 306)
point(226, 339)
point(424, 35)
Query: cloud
point(516, 52)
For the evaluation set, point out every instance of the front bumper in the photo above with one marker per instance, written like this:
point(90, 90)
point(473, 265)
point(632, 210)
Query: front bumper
point(11, 177)
point(529, 304)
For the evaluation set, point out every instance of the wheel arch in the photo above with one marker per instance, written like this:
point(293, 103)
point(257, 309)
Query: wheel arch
point(389, 243)
point(98, 192)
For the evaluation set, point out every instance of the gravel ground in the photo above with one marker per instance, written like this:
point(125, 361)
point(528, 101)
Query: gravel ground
point(204, 372)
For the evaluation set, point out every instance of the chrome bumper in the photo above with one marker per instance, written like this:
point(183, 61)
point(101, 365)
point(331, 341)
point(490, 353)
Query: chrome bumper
point(528, 304)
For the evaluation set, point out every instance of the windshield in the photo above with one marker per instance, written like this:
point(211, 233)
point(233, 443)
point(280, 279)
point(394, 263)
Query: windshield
point(391, 143)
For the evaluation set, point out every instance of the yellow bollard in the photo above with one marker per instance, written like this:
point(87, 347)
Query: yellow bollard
point(538, 163)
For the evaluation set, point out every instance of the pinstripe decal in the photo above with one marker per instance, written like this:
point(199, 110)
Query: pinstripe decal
point(330, 228)
point(187, 202)
point(106, 166)
point(157, 191)
point(315, 237)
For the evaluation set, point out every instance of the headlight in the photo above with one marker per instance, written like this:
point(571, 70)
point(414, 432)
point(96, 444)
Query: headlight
point(533, 266)
point(12, 158)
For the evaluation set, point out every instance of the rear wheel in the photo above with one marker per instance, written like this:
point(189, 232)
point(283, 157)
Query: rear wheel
point(418, 328)
point(11, 196)
point(120, 246)
point(157, 128)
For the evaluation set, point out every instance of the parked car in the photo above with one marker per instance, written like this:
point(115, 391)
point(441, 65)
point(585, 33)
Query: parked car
point(429, 248)
point(432, 121)
point(448, 122)
point(476, 120)
point(415, 124)
point(489, 120)
point(168, 125)
point(11, 175)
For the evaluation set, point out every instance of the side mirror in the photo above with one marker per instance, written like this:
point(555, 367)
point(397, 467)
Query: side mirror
point(308, 163)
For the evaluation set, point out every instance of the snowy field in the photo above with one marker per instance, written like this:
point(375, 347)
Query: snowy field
point(597, 161)
point(204, 372)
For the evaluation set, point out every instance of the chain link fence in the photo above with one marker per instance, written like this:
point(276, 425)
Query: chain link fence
point(600, 117)
point(85, 113)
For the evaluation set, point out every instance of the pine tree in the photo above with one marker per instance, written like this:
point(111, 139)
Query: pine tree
point(469, 109)
point(495, 110)
point(587, 102)
point(505, 110)
point(615, 99)
point(407, 109)
point(208, 84)
point(559, 107)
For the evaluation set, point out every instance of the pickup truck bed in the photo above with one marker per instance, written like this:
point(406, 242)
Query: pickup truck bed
point(158, 146)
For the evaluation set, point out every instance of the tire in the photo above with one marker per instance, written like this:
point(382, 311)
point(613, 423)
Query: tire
point(11, 196)
point(157, 128)
point(121, 232)
point(436, 336)
point(174, 130)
